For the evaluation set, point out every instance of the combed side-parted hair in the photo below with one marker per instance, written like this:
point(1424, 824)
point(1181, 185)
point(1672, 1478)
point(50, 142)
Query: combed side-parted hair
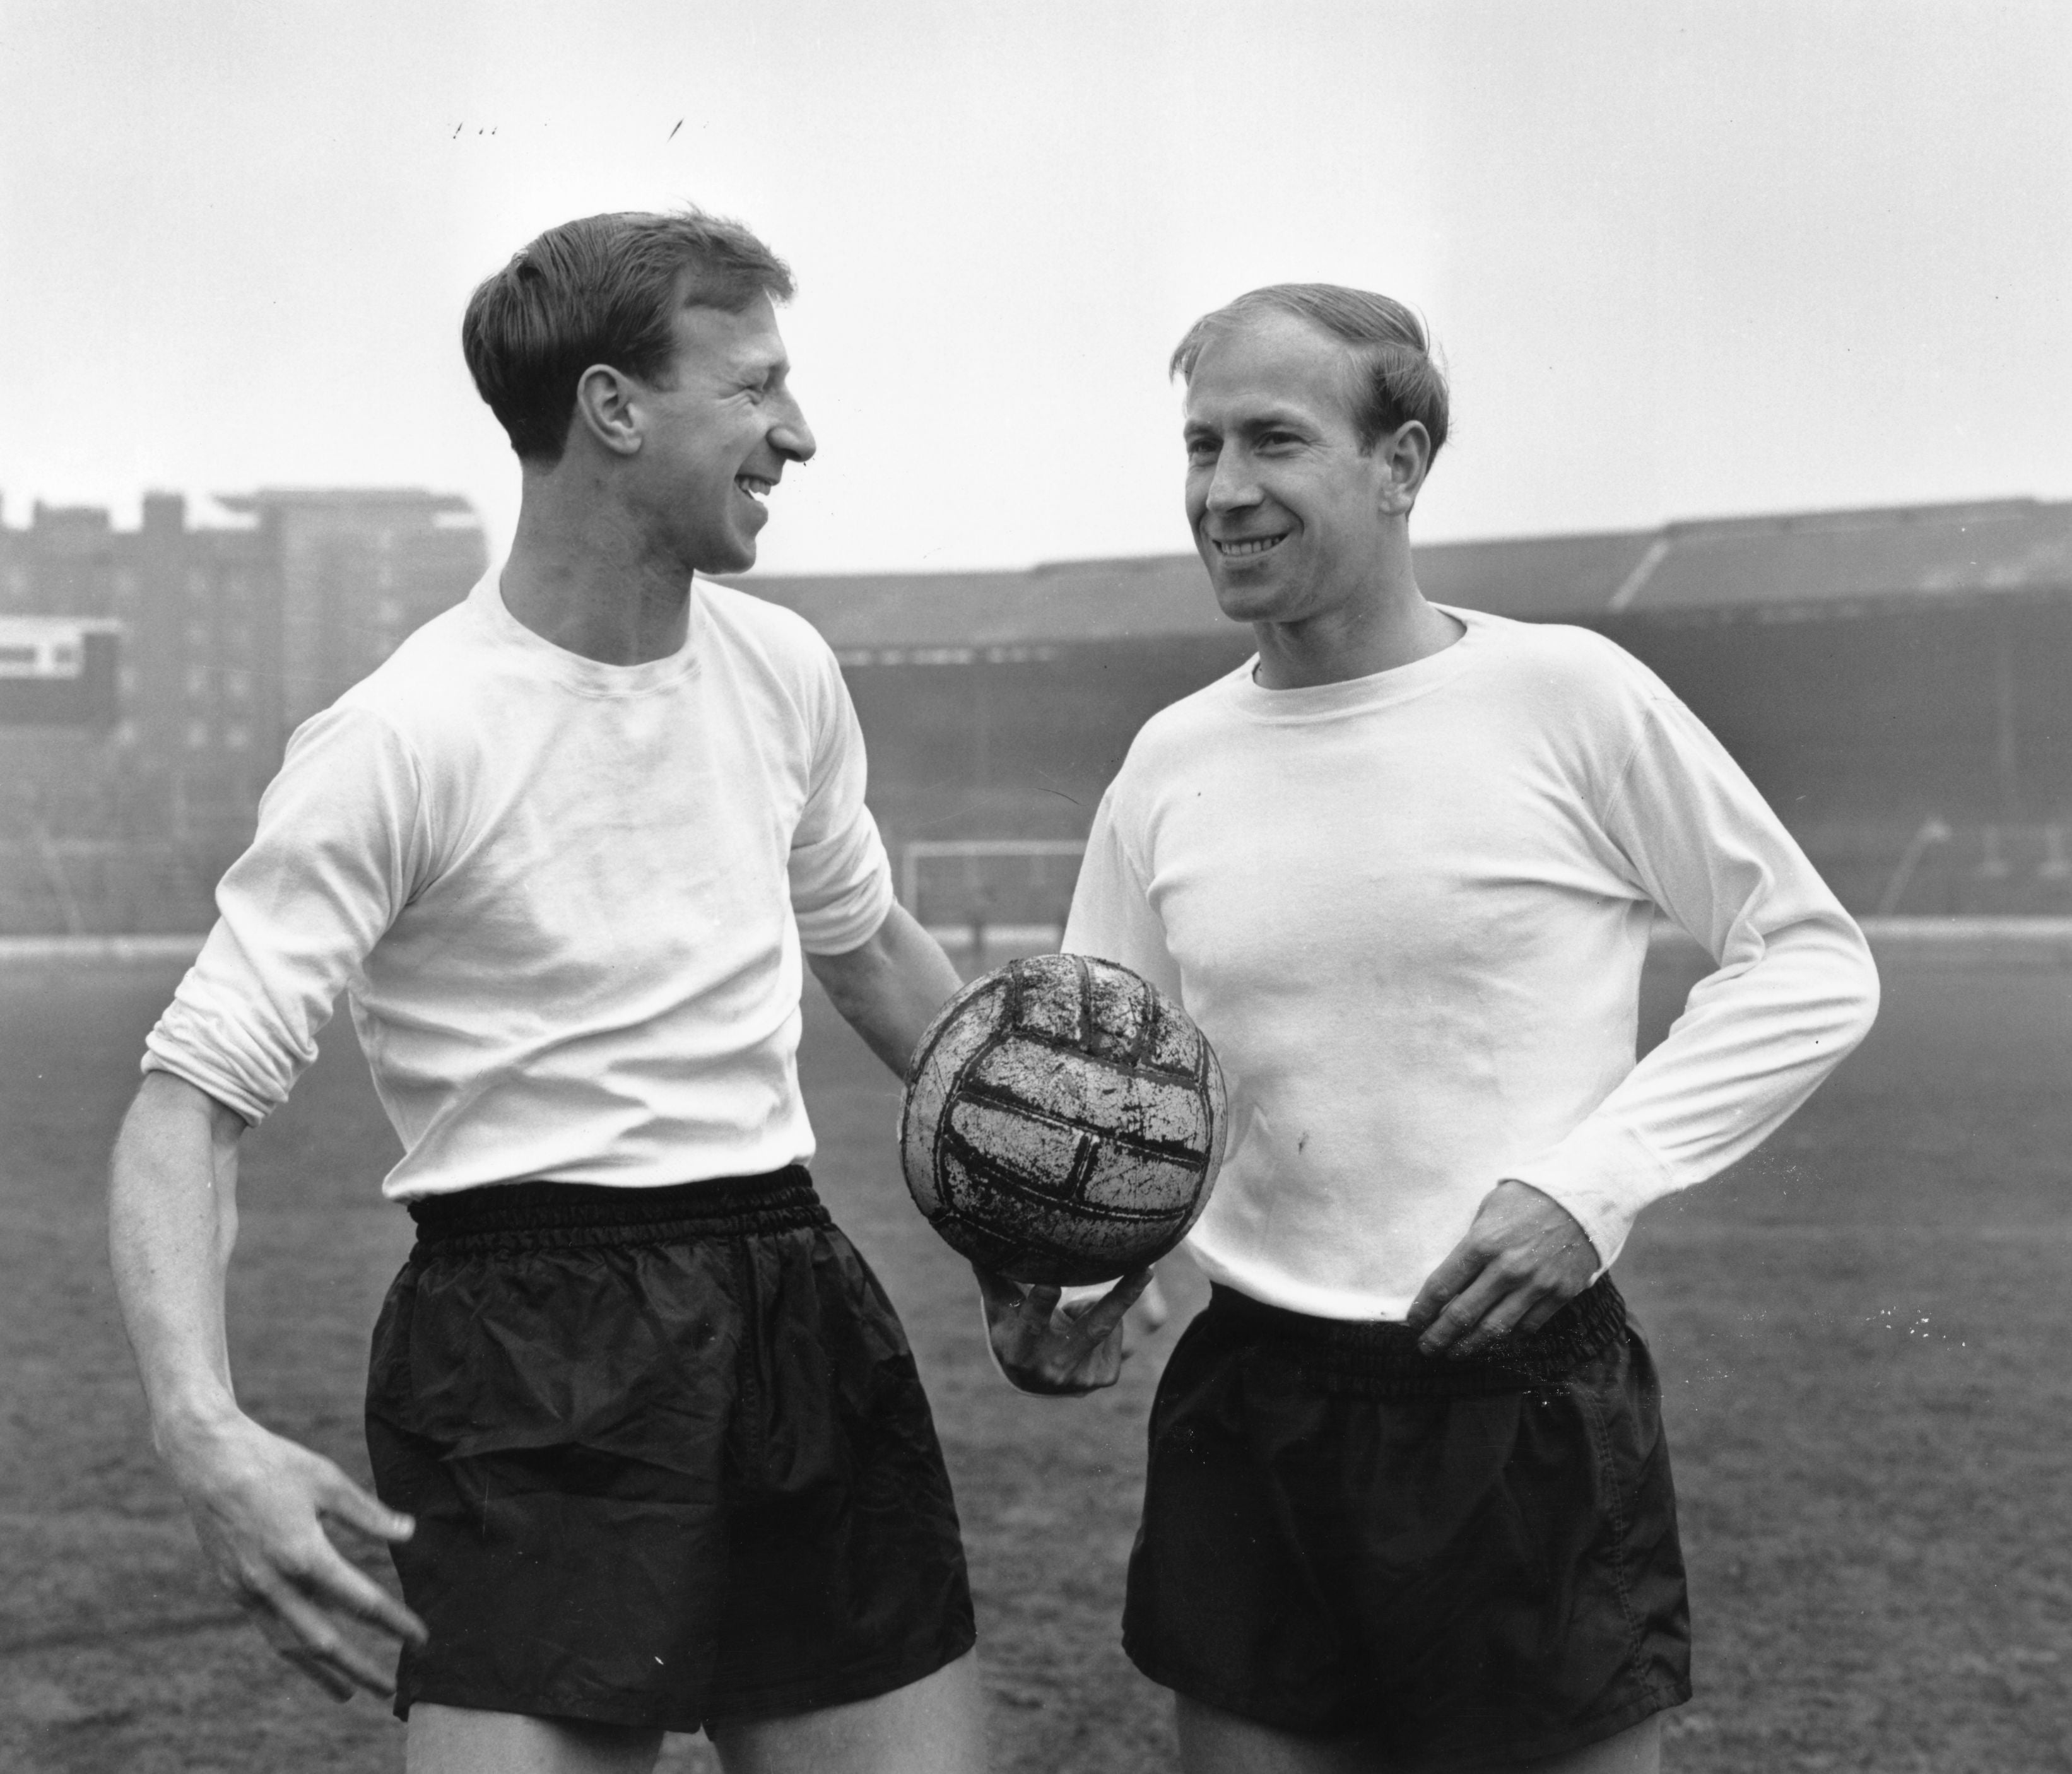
point(604, 289)
point(1397, 379)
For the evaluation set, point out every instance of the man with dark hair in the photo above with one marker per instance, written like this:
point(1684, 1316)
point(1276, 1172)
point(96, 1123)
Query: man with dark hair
point(603, 289)
point(650, 1446)
point(1408, 1505)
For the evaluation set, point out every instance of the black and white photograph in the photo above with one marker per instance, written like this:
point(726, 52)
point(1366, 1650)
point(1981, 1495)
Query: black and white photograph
point(1152, 888)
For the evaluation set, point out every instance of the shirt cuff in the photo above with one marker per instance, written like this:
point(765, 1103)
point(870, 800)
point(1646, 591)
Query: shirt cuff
point(1603, 1176)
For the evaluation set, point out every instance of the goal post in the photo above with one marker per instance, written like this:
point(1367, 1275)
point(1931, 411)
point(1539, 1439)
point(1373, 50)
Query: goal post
point(991, 897)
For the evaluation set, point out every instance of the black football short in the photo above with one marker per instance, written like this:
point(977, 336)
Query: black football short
point(1461, 1562)
point(669, 1456)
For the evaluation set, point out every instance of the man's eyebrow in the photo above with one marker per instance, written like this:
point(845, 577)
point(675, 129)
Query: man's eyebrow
point(1272, 418)
point(756, 368)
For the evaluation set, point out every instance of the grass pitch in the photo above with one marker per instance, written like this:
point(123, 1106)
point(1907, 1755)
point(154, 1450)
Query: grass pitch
point(1860, 1333)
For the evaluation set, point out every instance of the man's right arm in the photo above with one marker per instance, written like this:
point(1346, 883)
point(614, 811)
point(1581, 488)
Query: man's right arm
point(336, 851)
point(259, 1502)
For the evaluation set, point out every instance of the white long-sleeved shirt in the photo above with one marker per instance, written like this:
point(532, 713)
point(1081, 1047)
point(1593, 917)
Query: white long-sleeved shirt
point(566, 900)
point(1410, 912)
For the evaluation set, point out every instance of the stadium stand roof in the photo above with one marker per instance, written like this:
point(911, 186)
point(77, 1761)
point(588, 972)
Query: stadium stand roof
point(1071, 601)
point(1826, 558)
point(1796, 564)
point(1547, 578)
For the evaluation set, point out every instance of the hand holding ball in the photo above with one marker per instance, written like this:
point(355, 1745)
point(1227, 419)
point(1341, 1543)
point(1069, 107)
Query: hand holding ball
point(1064, 1121)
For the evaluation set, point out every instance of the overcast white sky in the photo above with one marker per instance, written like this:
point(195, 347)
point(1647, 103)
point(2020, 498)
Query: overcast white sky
point(1682, 259)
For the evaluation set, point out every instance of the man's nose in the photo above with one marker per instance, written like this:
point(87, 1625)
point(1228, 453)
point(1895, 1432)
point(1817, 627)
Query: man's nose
point(792, 434)
point(1231, 486)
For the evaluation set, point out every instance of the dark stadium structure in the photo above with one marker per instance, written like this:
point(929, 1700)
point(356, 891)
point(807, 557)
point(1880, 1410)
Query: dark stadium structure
point(1894, 680)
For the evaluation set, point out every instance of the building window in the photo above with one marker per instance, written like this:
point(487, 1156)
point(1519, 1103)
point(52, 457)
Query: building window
point(125, 736)
point(237, 638)
point(237, 738)
point(198, 637)
point(237, 685)
point(198, 582)
point(197, 735)
point(126, 679)
point(197, 683)
point(389, 612)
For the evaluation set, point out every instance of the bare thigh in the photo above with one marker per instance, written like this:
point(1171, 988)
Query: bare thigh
point(460, 1740)
point(934, 1726)
point(1213, 1742)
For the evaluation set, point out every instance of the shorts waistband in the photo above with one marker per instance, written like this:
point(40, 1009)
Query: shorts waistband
point(1382, 1359)
point(567, 1216)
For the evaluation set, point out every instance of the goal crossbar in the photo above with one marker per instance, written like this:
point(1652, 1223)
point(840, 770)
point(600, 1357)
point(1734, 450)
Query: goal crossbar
point(914, 855)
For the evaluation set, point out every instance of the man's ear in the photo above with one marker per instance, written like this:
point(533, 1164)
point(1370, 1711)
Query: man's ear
point(607, 407)
point(1403, 456)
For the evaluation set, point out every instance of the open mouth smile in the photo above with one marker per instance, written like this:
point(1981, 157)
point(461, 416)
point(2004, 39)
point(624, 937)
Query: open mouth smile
point(754, 486)
point(1248, 547)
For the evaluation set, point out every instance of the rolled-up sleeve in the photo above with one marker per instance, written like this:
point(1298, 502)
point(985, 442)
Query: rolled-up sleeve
point(840, 878)
point(338, 843)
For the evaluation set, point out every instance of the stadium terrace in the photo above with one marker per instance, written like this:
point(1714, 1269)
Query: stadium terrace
point(1890, 678)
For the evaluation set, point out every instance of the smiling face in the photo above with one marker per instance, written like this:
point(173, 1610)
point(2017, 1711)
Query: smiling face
point(715, 438)
point(1291, 517)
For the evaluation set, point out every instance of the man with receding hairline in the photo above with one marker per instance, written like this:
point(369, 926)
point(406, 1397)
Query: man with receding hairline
point(1408, 1505)
point(651, 1449)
